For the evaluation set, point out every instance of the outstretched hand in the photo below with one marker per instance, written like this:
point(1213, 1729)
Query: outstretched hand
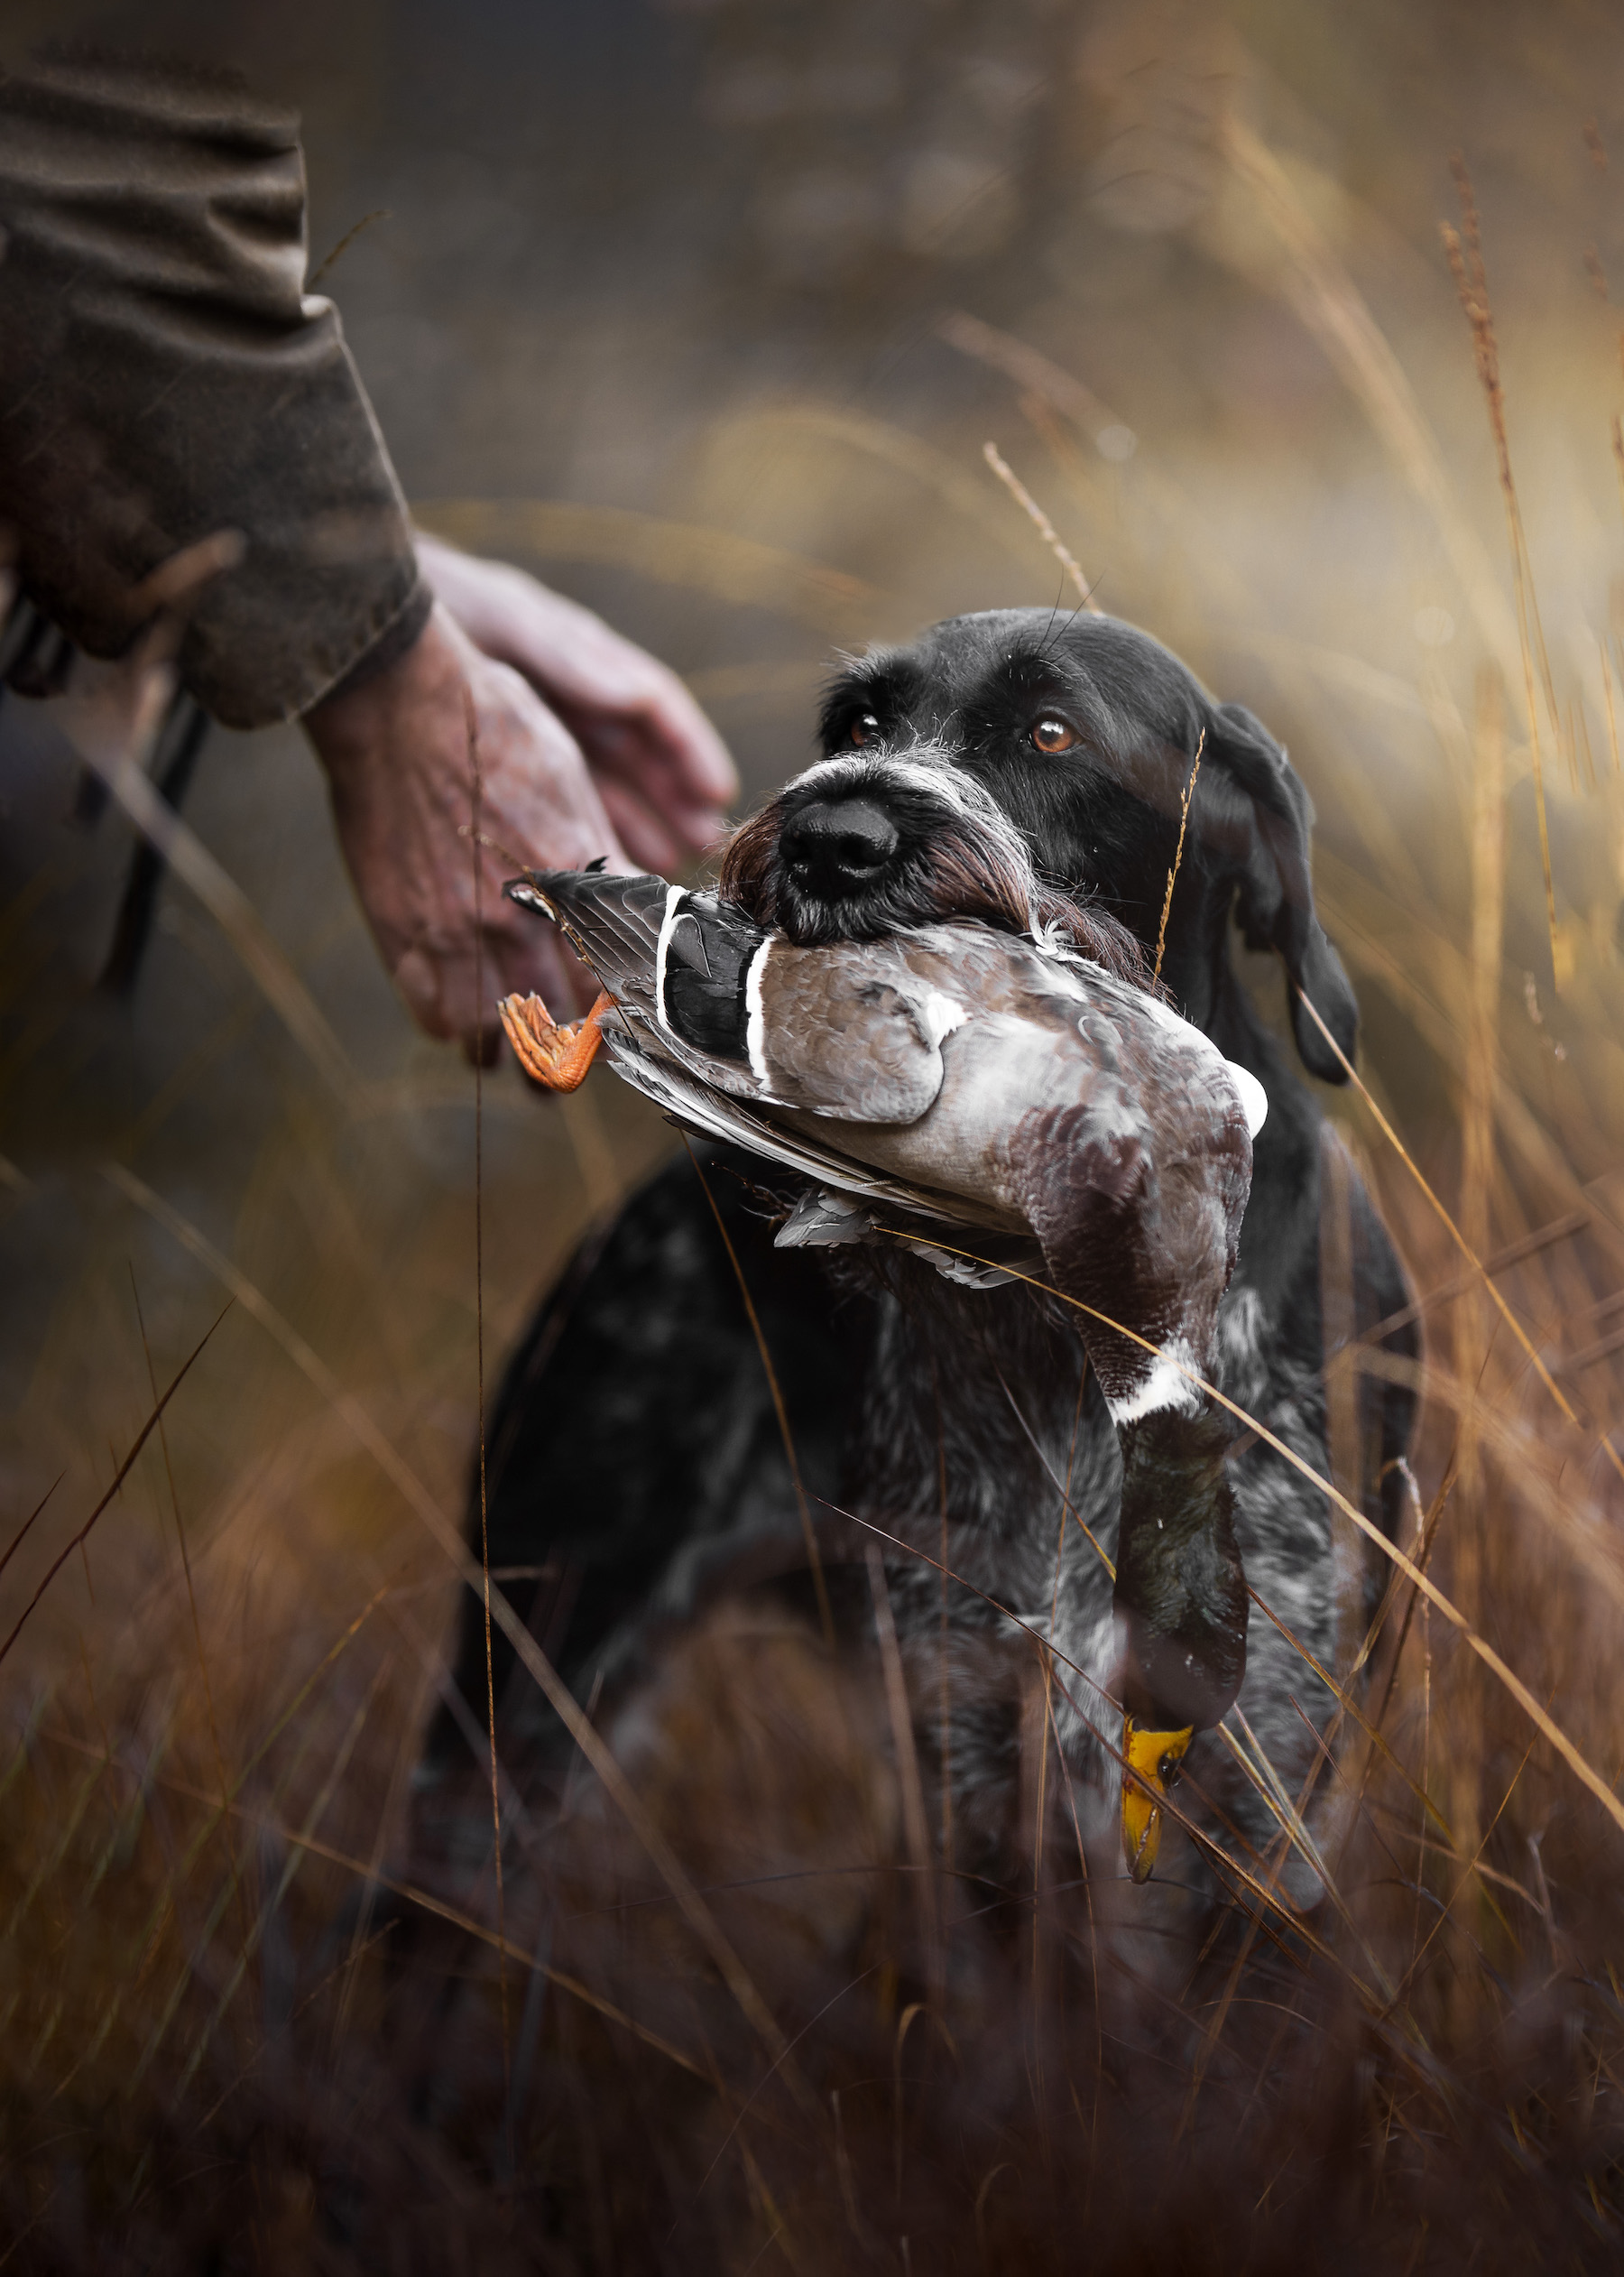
point(632, 771)
point(659, 766)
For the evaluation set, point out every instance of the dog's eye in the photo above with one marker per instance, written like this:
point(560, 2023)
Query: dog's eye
point(863, 729)
point(1051, 736)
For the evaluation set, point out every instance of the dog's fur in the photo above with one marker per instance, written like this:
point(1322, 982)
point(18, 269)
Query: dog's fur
point(962, 1421)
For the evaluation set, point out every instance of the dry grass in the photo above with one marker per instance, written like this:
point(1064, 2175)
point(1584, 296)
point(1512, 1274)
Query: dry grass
point(261, 2005)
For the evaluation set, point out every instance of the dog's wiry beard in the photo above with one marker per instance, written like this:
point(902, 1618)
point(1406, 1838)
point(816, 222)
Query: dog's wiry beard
point(959, 856)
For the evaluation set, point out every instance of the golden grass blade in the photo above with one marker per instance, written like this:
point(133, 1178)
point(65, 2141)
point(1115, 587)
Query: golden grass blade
point(1185, 796)
point(809, 1532)
point(1045, 528)
point(113, 738)
point(1333, 309)
point(22, 1534)
point(1348, 1706)
point(441, 1530)
point(1572, 1756)
point(908, 1762)
point(1296, 1833)
point(468, 1922)
point(1270, 1900)
point(296, 1856)
point(1471, 1868)
point(1455, 1234)
point(322, 268)
point(1465, 250)
point(1519, 1126)
point(1475, 1323)
point(1029, 368)
point(1264, 1782)
point(123, 1472)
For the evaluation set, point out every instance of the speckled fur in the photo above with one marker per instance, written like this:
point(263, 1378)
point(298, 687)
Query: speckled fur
point(984, 1391)
point(901, 1386)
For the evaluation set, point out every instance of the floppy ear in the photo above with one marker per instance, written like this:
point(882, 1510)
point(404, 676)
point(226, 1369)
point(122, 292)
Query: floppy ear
point(1277, 892)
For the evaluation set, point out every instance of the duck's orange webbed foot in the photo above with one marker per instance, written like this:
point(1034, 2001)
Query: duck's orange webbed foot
point(557, 1057)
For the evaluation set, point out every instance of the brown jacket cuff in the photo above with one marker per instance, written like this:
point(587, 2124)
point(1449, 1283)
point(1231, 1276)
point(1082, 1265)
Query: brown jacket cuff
point(163, 376)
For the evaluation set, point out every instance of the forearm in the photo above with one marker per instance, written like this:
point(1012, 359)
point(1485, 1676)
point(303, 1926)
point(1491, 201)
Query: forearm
point(162, 377)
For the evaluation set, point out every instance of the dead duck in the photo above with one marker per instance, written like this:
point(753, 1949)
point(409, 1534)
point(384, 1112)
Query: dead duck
point(1004, 1108)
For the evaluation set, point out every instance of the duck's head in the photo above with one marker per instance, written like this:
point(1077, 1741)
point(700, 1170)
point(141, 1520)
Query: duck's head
point(1181, 1608)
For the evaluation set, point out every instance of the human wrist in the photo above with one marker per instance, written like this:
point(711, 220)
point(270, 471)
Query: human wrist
point(402, 632)
point(362, 718)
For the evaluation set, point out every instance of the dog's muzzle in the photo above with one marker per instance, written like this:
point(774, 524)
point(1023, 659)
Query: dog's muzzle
point(838, 847)
point(872, 843)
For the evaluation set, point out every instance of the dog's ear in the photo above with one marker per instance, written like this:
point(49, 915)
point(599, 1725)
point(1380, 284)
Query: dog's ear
point(1277, 890)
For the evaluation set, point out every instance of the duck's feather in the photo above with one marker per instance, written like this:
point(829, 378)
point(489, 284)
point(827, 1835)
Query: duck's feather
point(615, 924)
point(707, 956)
point(856, 1039)
point(1068, 1108)
point(864, 1046)
point(692, 1101)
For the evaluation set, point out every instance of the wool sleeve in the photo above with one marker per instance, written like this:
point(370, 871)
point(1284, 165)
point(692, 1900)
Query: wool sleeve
point(164, 375)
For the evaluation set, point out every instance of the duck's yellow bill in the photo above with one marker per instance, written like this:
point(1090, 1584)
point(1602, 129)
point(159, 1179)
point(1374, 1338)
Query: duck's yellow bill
point(1153, 1758)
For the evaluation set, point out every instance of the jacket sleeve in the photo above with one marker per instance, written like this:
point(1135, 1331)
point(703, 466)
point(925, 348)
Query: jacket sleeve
point(164, 377)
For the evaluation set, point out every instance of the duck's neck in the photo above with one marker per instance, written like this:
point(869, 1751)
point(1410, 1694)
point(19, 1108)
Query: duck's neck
point(1180, 1587)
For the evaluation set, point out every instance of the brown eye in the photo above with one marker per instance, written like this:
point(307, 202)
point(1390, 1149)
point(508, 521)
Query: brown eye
point(1051, 736)
point(863, 729)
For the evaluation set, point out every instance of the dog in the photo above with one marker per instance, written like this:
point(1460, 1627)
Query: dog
point(960, 1421)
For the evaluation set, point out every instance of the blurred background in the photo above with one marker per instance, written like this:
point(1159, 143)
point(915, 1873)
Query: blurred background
point(705, 313)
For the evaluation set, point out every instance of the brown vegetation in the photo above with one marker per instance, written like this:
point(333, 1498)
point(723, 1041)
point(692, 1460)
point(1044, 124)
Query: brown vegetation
point(259, 2007)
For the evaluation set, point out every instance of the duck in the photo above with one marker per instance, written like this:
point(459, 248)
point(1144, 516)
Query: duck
point(1008, 1111)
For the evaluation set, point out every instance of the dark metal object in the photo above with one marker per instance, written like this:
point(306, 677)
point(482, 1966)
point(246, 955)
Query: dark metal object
point(175, 757)
point(34, 653)
point(36, 659)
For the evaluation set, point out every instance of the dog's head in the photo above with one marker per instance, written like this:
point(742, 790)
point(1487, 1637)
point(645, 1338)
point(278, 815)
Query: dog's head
point(1031, 771)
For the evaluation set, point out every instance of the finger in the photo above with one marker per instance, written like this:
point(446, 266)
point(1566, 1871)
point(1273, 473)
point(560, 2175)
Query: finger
point(601, 683)
point(617, 756)
point(700, 828)
point(651, 749)
point(702, 764)
point(420, 979)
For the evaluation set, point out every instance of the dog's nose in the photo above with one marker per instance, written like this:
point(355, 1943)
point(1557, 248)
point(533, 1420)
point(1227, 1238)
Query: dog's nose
point(838, 844)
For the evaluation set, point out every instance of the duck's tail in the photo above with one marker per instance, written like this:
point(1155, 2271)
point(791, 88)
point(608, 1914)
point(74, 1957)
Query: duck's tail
point(614, 924)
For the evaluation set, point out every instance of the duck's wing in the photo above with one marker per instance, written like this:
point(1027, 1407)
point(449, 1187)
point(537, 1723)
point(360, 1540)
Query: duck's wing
point(689, 1100)
point(707, 957)
point(848, 1031)
point(851, 1032)
point(682, 960)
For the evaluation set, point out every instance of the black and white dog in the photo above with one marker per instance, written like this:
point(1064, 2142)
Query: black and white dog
point(960, 1419)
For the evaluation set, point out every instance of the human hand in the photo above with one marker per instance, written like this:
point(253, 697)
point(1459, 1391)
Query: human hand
point(659, 766)
point(399, 760)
